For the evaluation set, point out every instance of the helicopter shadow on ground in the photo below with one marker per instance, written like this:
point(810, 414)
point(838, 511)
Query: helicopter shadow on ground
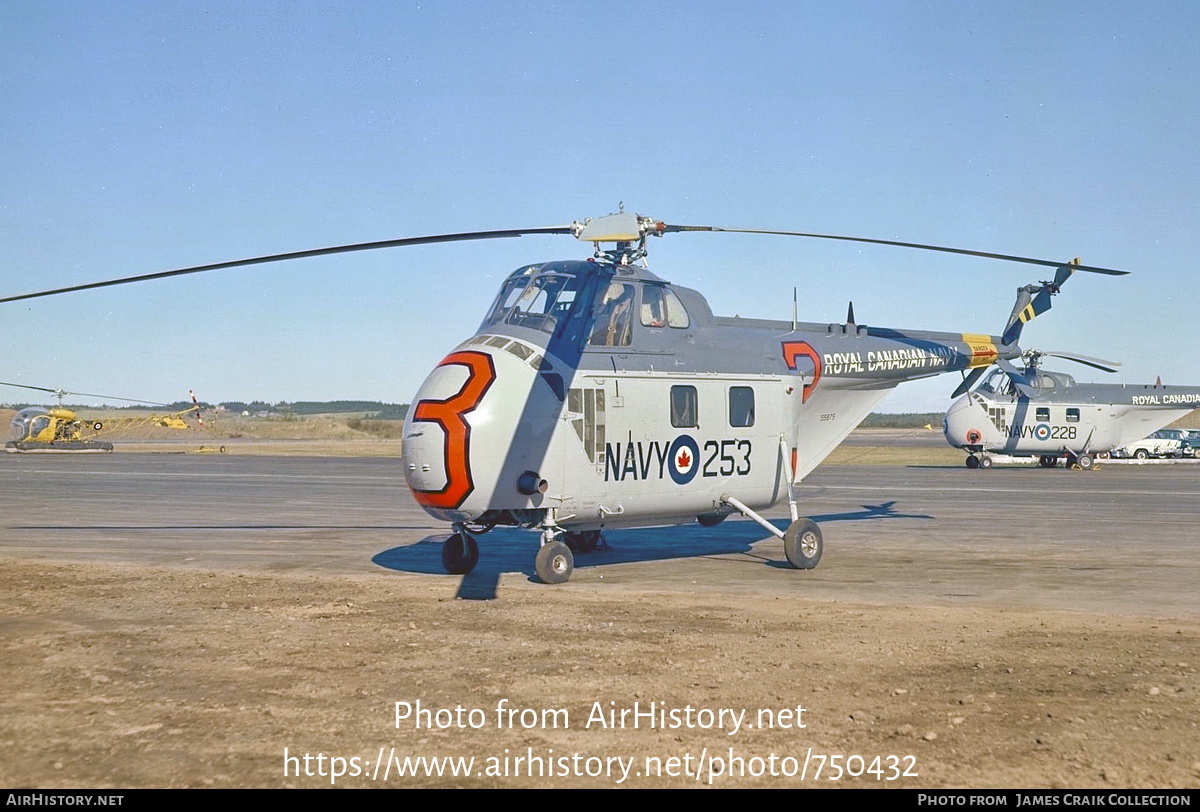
point(507, 550)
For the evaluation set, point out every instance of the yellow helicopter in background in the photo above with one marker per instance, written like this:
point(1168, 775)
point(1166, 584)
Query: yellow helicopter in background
point(59, 429)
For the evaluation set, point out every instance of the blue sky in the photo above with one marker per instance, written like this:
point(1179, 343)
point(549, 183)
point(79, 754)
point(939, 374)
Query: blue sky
point(143, 136)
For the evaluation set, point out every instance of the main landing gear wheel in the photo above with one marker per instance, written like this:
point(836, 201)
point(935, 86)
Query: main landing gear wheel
point(584, 541)
point(1085, 462)
point(972, 462)
point(554, 563)
point(985, 462)
point(803, 544)
point(1048, 461)
point(460, 554)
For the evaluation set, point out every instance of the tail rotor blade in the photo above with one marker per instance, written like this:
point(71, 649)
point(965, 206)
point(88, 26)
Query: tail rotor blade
point(1018, 378)
point(969, 381)
point(1033, 301)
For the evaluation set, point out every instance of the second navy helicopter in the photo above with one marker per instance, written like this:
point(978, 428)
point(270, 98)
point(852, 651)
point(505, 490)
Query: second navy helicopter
point(1032, 412)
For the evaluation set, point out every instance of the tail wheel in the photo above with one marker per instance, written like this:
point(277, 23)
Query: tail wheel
point(803, 544)
point(554, 563)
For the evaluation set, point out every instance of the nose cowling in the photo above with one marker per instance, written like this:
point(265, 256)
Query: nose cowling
point(959, 425)
point(479, 422)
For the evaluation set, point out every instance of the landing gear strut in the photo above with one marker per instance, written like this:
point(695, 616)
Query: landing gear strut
point(802, 543)
point(555, 562)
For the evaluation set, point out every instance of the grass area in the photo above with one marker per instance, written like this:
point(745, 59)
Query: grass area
point(884, 454)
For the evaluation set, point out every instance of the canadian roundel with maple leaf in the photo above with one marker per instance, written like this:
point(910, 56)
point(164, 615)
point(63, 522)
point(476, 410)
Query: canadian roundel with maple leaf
point(682, 459)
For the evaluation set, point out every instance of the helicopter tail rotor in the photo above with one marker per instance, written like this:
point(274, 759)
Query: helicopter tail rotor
point(1034, 300)
point(1019, 378)
point(196, 408)
point(969, 381)
point(1023, 379)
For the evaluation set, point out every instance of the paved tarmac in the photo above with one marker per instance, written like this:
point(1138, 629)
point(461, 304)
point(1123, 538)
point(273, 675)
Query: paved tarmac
point(1123, 539)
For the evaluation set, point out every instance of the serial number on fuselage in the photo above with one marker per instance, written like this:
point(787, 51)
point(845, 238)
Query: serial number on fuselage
point(1042, 431)
point(678, 459)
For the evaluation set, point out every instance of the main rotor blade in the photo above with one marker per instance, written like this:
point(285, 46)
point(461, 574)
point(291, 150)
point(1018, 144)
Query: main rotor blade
point(1049, 263)
point(1087, 360)
point(26, 386)
point(64, 392)
point(316, 252)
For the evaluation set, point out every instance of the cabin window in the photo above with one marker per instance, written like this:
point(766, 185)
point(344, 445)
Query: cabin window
point(683, 407)
point(1043, 413)
point(662, 308)
point(741, 406)
point(614, 317)
point(677, 315)
point(1072, 415)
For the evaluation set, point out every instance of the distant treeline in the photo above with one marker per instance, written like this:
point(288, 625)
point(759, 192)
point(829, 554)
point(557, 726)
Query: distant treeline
point(341, 406)
point(373, 409)
point(378, 410)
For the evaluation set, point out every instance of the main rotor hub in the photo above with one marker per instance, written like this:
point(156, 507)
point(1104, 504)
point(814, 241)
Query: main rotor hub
point(627, 230)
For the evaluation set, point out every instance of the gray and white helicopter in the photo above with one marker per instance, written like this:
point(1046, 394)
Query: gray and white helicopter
point(1033, 412)
point(597, 395)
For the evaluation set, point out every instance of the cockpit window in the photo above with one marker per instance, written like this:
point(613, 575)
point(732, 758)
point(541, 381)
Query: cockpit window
point(614, 316)
point(509, 293)
point(539, 303)
point(998, 383)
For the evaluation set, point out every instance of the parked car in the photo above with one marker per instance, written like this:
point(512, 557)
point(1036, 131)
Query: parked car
point(1162, 443)
point(1193, 438)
